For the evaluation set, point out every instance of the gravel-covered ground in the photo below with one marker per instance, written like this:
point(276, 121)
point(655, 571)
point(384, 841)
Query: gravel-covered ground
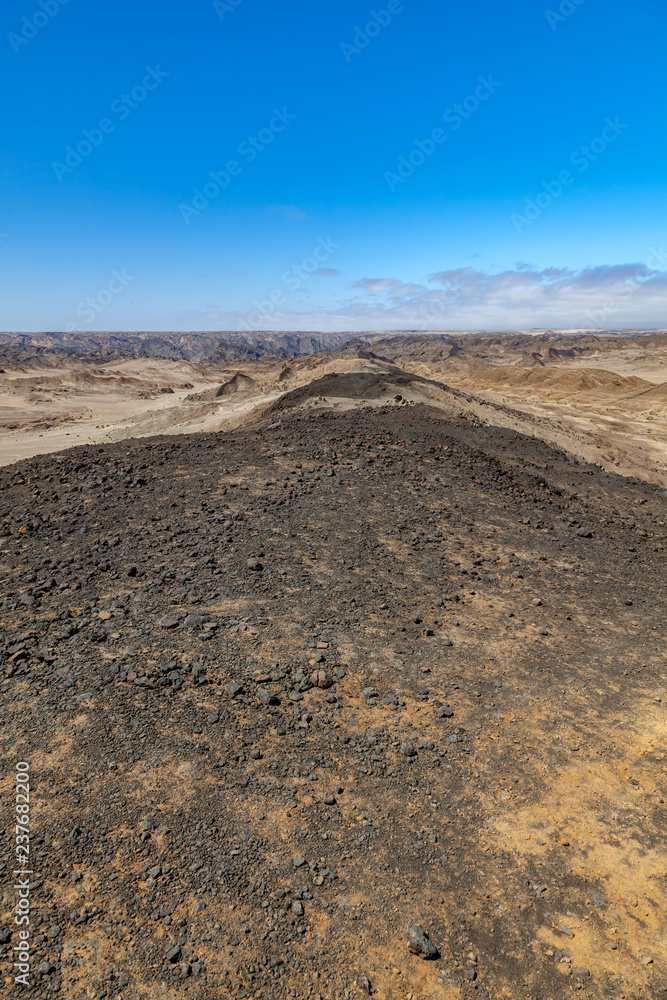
point(285, 691)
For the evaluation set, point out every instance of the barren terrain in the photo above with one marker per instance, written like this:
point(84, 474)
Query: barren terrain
point(603, 398)
point(289, 689)
point(338, 673)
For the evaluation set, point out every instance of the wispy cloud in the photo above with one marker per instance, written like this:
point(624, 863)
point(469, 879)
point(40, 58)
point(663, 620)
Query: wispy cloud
point(376, 285)
point(618, 296)
point(291, 212)
point(632, 295)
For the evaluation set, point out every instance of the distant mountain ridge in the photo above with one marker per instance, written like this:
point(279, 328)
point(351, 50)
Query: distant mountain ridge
point(534, 347)
point(195, 346)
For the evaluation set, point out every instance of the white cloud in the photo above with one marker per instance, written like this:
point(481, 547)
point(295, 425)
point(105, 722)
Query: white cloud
point(623, 296)
point(376, 285)
point(607, 297)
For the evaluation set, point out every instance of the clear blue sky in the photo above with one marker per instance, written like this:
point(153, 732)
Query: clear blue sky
point(451, 244)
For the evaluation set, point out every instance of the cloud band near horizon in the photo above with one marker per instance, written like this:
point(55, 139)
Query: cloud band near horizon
point(622, 296)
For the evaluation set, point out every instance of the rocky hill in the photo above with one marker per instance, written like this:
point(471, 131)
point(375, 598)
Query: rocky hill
point(338, 703)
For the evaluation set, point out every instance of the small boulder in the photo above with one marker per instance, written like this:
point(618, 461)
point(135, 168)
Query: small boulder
point(418, 942)
point(169, 621)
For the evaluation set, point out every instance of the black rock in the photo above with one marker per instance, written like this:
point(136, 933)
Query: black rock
point(194, 619)
point(169, 621)
point(418, 942)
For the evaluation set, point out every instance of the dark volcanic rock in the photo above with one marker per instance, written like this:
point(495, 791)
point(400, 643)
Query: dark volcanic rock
point(178, 770)
point(419, 943)
point(169, 621)
point(233, 689)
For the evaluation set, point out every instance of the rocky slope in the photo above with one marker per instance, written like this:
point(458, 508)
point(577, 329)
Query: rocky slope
point(290, 690)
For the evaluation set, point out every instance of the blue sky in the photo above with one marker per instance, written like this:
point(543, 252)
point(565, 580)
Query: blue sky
point(408, 165)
